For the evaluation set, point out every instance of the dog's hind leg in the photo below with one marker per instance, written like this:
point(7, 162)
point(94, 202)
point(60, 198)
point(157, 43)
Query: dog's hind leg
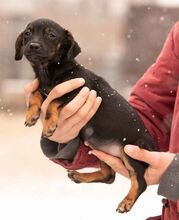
point(136, 171)
point(104, 175)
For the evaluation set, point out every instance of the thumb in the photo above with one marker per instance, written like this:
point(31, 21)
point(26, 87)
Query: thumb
point(139, 154)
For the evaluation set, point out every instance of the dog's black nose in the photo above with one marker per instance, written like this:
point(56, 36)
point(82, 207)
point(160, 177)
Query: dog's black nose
point(34, 46)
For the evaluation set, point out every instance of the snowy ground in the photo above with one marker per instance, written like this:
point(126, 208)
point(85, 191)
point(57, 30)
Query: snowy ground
point(32, 187)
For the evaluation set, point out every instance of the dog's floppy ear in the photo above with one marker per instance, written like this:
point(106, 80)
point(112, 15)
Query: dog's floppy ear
point(73, 48)
point(19, 47)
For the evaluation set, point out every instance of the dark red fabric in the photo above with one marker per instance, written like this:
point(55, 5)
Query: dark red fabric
point(81, 160)
point(154, 94)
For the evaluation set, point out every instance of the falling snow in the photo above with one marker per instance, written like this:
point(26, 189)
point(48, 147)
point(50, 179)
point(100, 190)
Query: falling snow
point(124, 139)
point(137, 59)
point(162, 18)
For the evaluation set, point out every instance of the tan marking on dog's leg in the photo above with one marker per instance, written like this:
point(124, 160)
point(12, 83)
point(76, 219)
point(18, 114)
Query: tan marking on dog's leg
point(33, 110)
point(105, 175)
point(51, 119)
point(132, 195)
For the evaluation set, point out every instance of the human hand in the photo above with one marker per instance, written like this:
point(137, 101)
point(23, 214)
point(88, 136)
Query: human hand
point(74, 115)
point(158, 162)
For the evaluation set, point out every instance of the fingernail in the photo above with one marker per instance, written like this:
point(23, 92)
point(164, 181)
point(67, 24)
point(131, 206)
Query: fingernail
point(129, 148)
point(93, 92)
point(99, 98)
point(81, 80)
point(85, 90)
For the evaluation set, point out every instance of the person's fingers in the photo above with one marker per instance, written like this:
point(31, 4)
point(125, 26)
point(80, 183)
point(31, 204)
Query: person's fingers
point(75, 104)
point(78, 126)
point(85, 108)
point(29, 88)
point(62, 89)
point(141, 154)
point(114, 162)
point(73, 128)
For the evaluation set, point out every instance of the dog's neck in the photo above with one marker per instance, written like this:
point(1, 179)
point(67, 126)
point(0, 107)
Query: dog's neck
point(48, 72)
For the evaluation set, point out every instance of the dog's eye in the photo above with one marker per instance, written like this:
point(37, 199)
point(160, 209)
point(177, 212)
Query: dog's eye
point(27, 33)
point(52, 36)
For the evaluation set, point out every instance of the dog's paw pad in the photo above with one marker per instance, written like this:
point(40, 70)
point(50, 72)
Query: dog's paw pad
point(125, 206)
point(31, 120)
point(49, 130)
point(73, 176)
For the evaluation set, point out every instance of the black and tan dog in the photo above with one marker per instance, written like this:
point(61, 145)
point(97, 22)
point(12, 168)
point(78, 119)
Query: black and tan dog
point(51, 51)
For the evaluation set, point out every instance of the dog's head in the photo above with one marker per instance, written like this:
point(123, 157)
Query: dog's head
point(44, 40)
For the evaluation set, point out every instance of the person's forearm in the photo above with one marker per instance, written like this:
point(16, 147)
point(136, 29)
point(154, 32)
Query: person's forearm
point(169, 183)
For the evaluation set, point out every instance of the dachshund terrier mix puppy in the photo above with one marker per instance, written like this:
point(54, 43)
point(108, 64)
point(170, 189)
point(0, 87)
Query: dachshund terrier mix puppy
point(51, 50)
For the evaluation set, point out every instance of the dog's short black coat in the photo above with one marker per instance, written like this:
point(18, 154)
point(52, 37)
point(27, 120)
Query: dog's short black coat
point(51, 50)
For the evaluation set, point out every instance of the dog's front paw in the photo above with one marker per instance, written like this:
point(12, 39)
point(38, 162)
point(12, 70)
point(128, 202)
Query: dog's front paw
point(125, 205)
point(32, 116)
point(74, 176)
point(49, 127)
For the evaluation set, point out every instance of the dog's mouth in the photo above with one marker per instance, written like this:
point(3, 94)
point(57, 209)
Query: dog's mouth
point(36, 58)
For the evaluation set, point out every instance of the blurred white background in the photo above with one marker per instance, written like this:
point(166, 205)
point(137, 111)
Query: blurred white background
point(113, 36)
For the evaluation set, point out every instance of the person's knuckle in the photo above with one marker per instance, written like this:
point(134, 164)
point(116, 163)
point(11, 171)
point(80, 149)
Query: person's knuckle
point(68, 109)
point(81, 114)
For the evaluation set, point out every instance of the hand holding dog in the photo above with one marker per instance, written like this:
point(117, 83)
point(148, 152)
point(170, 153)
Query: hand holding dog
point(75, 114)
point(158, 162)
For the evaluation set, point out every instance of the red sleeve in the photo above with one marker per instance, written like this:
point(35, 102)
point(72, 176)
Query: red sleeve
point(82, 159)
point(154, 94)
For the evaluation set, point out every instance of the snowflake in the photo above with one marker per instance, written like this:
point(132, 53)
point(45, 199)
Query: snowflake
point(124, 139)
point(162, 18)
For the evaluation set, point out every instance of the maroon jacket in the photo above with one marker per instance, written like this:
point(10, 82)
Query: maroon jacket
point(156, 99)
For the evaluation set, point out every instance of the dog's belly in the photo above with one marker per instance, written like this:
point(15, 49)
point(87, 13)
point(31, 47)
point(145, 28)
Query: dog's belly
point(112, 147)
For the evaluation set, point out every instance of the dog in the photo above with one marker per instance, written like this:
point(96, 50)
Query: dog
point(51, 50)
